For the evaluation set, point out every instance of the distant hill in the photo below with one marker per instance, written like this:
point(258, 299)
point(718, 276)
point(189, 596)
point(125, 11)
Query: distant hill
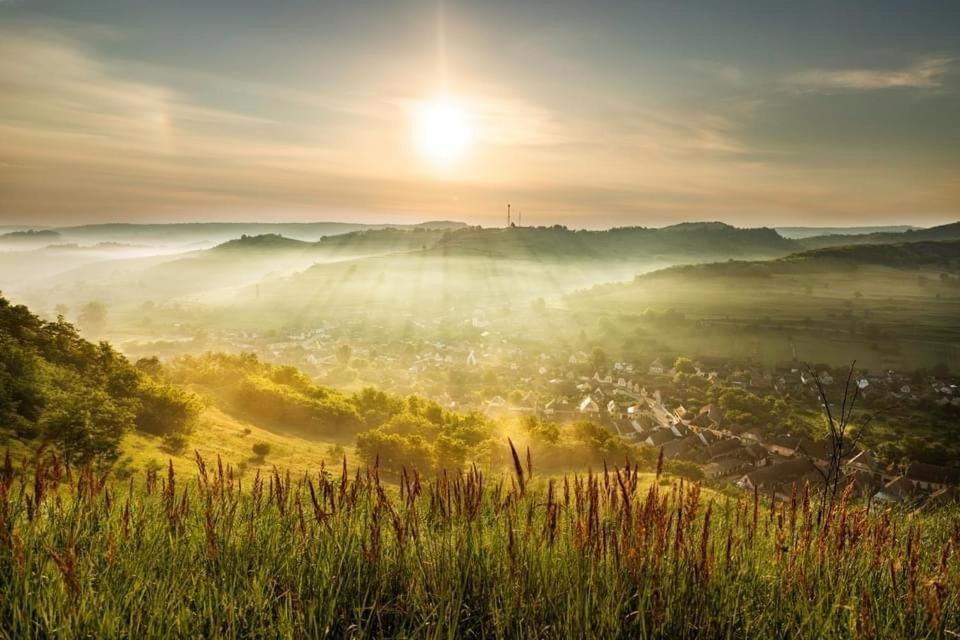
point(473, 267)
point(798, 233)
point(267, 241)
point(206, 234)
point(943, 232)
point(694, 242)
point(891, 306)
point(29, 237)
point(907, 255)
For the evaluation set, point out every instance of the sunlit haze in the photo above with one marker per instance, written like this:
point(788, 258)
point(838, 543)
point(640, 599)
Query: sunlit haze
point(442, 129)
point(589, 115)
point(480, 319)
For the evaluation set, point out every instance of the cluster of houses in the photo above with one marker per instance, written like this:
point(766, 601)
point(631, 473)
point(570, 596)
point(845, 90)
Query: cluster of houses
point(558, 386)
point(780, 465)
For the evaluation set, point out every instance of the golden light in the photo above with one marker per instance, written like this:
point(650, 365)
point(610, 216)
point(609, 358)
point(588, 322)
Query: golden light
point(442, 129)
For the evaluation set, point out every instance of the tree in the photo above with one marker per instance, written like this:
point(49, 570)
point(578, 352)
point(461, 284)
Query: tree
point(93, 317)
point(166, 410)
point(86, 423)
point(598, 358)
point(684, 365)
point(261, 450)
point(343, 352)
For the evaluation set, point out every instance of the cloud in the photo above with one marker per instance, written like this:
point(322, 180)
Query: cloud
point(98, 137)
point(927, 73)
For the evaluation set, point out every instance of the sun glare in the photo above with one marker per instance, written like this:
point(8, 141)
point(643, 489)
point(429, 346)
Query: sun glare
point(442, 130)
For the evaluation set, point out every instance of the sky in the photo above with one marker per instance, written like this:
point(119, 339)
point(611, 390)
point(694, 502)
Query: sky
point(585, 114)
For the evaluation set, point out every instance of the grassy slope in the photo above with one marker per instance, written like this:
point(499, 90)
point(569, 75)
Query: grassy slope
point(462, 559)
point(220, 433)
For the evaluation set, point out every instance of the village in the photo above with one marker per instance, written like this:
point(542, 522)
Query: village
point(661, 403)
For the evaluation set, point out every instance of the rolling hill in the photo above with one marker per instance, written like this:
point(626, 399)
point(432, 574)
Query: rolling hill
point(207, 234)
point(885, 305)
point(473, 267)
point(692, 242)
point(940, 233)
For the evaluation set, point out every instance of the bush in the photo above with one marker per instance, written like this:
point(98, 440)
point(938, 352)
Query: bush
point(166, 410)
point(261, 450)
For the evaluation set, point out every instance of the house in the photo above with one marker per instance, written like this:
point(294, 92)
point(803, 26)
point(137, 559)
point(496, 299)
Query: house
point(722, 449)
point(708, 436)
point(726, 467)
point(863, 462)
point(656, 368)
point(783, 446)
point(713, 412)
point(897, 490)
point(495, 403)
point(660, 437)
point(864, 483)
point(756, 454)
point(781, 478)
point(679, 429)
point(681, 447)
point(932, 477)
point(557, 406)
point(589, 406)
point(946, 497)
point(753, 434)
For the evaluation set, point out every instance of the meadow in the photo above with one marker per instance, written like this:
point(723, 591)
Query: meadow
point(338, 553)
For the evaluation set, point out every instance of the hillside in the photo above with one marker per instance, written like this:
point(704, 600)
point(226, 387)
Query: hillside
point(798, 233)
point(264, 242)
point(908, 255)
point(28, 238)
point(683, 242)
point(211, 233)
point(892, 306)
point(58, 389)
point(940, 233)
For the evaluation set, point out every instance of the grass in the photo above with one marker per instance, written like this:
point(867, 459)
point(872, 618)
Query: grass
point(333, 553)
point(232, 439)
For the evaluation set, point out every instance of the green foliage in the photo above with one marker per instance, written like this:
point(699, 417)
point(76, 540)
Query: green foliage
point(420, 434)
point(82, 397)
point(167, 410)
point(86, 423)
point(684, 365)
point(93, 317)
point(280, 397)
point(261, 449)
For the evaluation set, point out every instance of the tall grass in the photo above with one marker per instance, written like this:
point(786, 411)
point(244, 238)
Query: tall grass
point(338, 554)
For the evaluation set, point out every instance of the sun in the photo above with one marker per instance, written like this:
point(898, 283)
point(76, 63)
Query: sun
point(442, 129)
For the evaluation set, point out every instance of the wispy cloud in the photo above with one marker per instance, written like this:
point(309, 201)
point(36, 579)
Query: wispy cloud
point(927, 73)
